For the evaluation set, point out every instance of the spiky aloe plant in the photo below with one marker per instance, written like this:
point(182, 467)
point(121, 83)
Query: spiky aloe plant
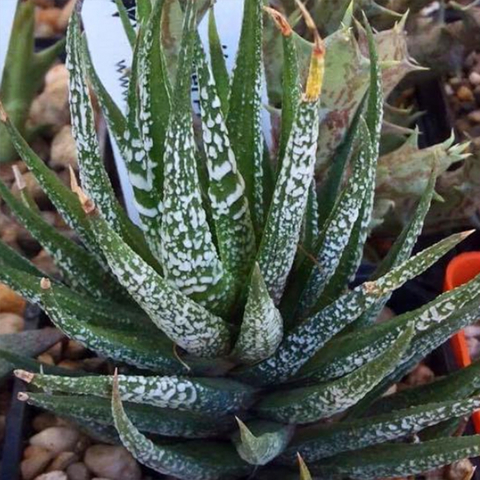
point(238, 341)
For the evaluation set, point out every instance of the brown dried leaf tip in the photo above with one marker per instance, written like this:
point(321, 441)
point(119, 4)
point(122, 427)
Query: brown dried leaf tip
point(23, 396)
point(19, 180)
point(45, 283)
point(24, 375)
point(87, 204)
point(3, 114)
point(280, 21)
point(317, 60)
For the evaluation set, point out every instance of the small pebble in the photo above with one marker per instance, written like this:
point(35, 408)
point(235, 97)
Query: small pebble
point(474, 78)
point(62, 461)
point(35, 464)
point(46, 358)
point(56, 351)
point(70, 364)
point(420, 376)
point(78, 471)
point(55, 475)
point(11, 302)
point(11, 323)
point(112, 462)
point(43, 421)
point(474, 116)
point(63, 153)
point(465, 94)
point(74, 350)
point(57, 439)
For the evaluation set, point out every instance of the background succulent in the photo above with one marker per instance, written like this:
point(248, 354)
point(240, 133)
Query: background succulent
point(23, 76)
point(232, 300)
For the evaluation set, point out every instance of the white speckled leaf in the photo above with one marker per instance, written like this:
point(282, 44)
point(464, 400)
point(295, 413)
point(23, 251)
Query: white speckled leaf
point(262, 327)
point(185, 322)
point(309, 404)
point(153, 420)
point(189, 256)
point(94, 177)
point(338, 228)
point(64, 200)
point(317, 442)
point(209, 395)
point(399, 459)
point(282, 229)
point(229, 204)
point(244, 116)
point(264, 443)
point(127, 136)
point(80, 269)
point(196, 460)
point(304, 340)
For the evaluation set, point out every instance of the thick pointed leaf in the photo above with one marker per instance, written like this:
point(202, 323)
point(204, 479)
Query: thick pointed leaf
point(262, 326)
point(321, 441)
point(291, 85)
point(93, 174)
point(260, 442)
point(402, 248)
point(229, 204)
point(244, 114)
point(80, 269)
point(153, 420)
point(348, 352)
point(13, 259)
point(64, 200)
point(457, 385)
point(217, 59)
point(338, 228)
point(282, 230)
point(127, 24)
point(309, 404)
point(306, 339)
point(127, 136)
point(207, 395)
point(154, 102)
point(196, 460)
point(399, 459)
point(189, 255)
point(199, 331)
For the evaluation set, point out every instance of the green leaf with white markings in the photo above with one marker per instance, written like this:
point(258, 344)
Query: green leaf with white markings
point(282, 230)
point(399, 459)
point(320, 441)
point(306, 339)
point(244, 114)
point(189, 255)
point(228, 201)
point(260, 442)
point(262, 326)
point(196, 460)
point(219, 67)
point(80, 269)
point(309, 404)
point(201, 332)
point(149, 419)
point(201, 395)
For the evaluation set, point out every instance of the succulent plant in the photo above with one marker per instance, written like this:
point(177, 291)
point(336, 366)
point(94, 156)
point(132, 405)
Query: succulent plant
point(23, 75)
point(228, 315)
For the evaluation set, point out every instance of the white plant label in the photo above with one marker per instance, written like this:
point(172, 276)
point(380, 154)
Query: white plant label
point(7, 14)
point(112, 55)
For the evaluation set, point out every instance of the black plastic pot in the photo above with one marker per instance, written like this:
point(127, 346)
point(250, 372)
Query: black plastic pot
point(17, 425)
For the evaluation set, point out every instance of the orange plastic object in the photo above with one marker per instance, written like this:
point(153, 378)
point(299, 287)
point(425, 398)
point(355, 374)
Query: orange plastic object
point(459, 271)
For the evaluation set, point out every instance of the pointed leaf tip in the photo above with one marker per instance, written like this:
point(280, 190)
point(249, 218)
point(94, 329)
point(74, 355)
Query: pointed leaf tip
point(304, 472)
point(19, 180)
point(22, 396)
point(3, 114)
point(280, 21)
point(87, 204)
point(45, 283)
point(24, 375)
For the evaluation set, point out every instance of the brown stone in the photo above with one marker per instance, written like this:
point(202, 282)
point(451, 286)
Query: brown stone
point(465, 94)
point(10, 301)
